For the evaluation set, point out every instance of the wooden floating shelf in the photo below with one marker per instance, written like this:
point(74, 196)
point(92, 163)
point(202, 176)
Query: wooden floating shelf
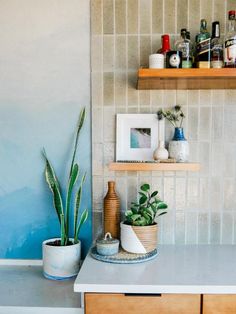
point(224, 78)
point(141, 166)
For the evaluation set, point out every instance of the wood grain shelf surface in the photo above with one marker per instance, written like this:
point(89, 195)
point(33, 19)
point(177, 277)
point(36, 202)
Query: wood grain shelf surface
point(224, 78)
point(141, 166)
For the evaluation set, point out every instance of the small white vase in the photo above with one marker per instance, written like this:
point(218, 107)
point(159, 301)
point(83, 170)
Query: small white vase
point(61, 262)
point(160, 153)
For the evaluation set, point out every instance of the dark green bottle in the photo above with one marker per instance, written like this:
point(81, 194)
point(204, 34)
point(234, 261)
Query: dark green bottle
point(203, 46)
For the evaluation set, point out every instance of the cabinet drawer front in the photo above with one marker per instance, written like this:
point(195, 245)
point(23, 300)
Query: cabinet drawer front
point(97, 303)
point(219, 304)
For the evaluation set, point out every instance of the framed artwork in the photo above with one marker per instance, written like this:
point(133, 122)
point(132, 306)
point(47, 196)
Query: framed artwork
point(136, 136)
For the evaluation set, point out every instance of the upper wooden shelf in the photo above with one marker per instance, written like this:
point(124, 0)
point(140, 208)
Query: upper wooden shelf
point(187, 78)
point(142, 166)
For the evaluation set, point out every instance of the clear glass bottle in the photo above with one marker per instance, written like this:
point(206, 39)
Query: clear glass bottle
point(203, 46)
point(185, 46)
point(216, 47)
point(230, 42)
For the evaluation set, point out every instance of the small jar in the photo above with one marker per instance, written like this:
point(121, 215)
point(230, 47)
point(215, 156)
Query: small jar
point(156, 61)
point(107, 245)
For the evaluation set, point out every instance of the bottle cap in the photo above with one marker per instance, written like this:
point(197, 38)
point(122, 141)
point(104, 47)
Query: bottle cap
point(231, 14)
point(165, 43)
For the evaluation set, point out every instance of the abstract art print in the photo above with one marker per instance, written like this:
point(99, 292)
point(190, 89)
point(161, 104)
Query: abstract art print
point(136, 137)
point(140, 138)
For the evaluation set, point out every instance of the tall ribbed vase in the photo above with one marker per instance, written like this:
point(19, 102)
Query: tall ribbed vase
point(112, 211)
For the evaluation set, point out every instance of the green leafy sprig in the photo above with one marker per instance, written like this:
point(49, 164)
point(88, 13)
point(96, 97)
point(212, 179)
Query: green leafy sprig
point(175, 116)
point(144, 212)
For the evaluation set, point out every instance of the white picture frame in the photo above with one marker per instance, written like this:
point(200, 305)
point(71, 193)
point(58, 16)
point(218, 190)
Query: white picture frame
point(133, 141)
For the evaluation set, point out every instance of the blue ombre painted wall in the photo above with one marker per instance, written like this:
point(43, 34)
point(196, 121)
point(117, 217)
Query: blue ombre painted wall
point(44, 82)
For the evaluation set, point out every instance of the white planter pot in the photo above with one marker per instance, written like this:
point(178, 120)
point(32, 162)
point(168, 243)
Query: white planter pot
point(138, 239)
point(61, 262)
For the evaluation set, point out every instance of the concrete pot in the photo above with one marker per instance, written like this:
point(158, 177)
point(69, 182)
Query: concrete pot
point(61, 262)
point(138, 239)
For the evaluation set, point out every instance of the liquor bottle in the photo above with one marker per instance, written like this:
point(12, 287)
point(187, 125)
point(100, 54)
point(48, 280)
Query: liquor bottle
point(165, 41)
point(203, 46)
point(216, 47)
point(230, 42)
point(185, 46)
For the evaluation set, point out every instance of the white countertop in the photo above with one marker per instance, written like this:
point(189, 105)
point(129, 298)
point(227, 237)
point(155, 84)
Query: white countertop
point(176, 269)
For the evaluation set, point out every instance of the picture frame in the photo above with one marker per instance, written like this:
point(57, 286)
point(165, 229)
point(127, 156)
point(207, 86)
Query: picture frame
point(136, 137)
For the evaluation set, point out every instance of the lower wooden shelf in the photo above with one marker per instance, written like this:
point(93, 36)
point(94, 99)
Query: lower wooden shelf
point(142, 166)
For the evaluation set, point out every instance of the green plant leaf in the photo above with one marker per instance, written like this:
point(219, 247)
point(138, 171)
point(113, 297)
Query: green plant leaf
point(54, 186)
point(80, 124)
point(135, 217)
point(142, 193)
point(128, 213)
point(63, 233)
point(145, 187)
point(77, 204)
point(142, 200)
point(161, 205)
point(160, 214)
point(72, 180)
point(82, 220)
point(151, 212)
point(154, 194)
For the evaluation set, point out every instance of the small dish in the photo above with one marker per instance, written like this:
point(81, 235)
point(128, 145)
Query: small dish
point(107, 245)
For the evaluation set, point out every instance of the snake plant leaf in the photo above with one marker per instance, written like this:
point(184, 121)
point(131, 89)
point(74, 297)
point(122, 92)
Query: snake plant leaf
point(72, 180)
point(80, 124)
point(82, 220)
point(54, 186)
point(77, 203)
point(63, 232)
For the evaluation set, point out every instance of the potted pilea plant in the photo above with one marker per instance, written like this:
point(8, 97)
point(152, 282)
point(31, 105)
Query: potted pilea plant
point(61, 256)
point(178, 146)
point(139, 230)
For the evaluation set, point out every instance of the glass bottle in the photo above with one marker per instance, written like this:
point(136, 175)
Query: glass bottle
point(203, 46)
point(185, 46)
point(230, 42)
point(216, 47)
point(165, 41)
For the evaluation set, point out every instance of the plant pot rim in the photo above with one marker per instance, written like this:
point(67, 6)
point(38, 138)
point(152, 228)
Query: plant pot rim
point(45, 243)
point(124, 224)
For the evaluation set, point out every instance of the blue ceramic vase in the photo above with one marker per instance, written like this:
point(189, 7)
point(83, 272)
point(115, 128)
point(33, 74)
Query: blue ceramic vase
point(179, 147)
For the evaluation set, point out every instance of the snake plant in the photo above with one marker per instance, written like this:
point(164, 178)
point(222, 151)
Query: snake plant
point(63, 208)
point(144, 212)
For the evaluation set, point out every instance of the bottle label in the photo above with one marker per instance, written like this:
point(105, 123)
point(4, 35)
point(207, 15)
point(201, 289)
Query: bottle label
point(203, 47)
point(174, 60)
point(230, 50)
